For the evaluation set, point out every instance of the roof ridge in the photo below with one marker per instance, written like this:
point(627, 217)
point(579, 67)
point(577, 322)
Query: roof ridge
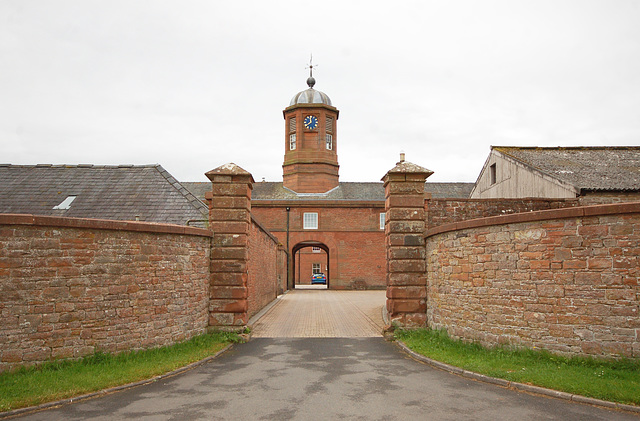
point(110, 166)
point(568, 147)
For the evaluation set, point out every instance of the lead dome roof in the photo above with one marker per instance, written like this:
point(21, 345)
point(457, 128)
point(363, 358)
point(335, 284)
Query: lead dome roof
point(310, 96)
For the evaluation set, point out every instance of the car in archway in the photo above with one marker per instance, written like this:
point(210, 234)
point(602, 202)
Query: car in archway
point(318, 279)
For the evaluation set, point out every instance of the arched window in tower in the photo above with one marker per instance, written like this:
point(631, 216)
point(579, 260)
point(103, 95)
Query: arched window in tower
point(292, 134)
point(329, 134)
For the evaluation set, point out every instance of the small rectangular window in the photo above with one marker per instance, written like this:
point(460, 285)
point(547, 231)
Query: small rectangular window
point(292, 125)
point(316, 268)
point(310, 221)
point(383, 218)
point(492, 173)
point(316, 249)
point(292, 141)
point(329, 141)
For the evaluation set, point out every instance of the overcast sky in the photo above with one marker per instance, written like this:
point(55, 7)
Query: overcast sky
point(192, 85)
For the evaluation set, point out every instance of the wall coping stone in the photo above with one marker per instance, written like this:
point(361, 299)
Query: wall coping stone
point(574, 212)
point(101, 224)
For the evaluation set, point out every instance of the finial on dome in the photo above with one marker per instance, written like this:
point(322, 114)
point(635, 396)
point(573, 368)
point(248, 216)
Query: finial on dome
point(311, 81)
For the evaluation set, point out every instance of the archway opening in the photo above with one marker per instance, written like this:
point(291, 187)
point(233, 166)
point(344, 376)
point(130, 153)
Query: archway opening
point(310, 258)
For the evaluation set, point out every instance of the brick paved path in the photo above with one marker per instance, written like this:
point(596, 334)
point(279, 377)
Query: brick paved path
point(323, 314)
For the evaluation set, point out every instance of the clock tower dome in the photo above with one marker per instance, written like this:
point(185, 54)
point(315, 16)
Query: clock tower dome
point(311, 157)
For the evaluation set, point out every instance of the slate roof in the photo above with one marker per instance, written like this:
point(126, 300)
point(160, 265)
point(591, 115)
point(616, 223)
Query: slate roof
point(266, 190)
point(449, 190)
point(612, 168)
point(104, 192)
point(344, 191)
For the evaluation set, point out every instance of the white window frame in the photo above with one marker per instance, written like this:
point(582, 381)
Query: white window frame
point(315, 249)
point(329, 141)
point(310, 220)
point(383, 219)
point(316, 268)
point(292, 141)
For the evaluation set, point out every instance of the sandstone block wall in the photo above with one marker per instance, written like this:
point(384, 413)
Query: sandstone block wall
point(69, 287)
point(447, 211)
point(564, 280)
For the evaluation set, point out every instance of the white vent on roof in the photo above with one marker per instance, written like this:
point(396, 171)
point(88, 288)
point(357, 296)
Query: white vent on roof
point(66, 203)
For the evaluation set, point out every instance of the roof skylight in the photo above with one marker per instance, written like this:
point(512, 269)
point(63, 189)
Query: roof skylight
point(66, 203)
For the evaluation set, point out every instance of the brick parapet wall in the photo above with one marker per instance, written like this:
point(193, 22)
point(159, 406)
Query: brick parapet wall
point(565, 280)
point(588, 198)
point(266, 267)
point(70, 287)
point(447, 211)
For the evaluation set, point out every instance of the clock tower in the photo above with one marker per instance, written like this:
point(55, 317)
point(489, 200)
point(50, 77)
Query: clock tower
point(311, 157)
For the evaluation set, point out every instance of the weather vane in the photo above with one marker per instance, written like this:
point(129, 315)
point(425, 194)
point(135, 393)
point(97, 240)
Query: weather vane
point(311, 81)
point(310, 66)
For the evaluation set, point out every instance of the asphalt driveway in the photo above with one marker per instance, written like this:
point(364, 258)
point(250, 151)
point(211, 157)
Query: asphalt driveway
point(319, 355)
point(321, 379)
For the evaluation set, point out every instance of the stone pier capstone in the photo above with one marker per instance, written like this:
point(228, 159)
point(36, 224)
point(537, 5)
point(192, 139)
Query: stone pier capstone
point(229, 219)
point(405, 244)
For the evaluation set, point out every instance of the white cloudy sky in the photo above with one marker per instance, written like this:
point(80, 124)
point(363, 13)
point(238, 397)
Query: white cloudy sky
point(194, 84)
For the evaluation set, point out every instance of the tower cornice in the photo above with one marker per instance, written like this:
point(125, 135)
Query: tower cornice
point(308, 106)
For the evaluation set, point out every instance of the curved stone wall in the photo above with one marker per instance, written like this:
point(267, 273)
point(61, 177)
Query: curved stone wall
point(70, 287)
point(565, 280)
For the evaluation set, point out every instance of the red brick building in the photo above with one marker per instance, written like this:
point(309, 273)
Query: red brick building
point(328, 226)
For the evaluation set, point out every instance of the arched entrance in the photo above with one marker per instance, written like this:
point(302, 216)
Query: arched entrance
point(304, 264)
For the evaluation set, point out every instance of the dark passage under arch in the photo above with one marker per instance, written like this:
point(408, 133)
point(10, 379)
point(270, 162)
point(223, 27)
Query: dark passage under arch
point(296, 259)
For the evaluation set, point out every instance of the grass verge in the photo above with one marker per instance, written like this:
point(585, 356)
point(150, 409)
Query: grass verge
point(611, 380)
point(57, 380)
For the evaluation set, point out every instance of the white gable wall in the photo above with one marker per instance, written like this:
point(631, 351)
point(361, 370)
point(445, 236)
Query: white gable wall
point(515, 180)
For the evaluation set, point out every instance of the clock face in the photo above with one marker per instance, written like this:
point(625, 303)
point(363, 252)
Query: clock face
point(310, 122)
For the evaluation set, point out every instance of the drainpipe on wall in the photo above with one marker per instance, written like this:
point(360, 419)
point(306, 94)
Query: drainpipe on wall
point(288, 256)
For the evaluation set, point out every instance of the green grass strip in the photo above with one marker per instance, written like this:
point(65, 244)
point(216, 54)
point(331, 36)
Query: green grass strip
point(611, 380)
point(57, 380)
